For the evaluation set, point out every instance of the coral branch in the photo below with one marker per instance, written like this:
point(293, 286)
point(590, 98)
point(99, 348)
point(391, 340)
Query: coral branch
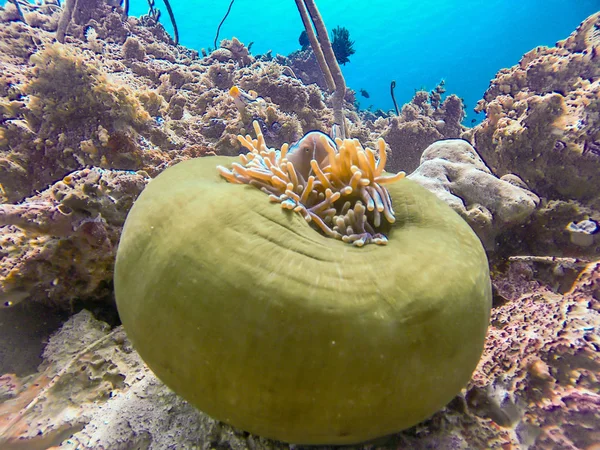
point(324, 45)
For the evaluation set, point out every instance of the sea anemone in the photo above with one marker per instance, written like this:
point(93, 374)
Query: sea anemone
point(341, 192)
point(247, 312)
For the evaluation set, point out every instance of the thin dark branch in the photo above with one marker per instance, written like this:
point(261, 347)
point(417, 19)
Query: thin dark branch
point(172, 16)
point(392, 87)
point(219, 27)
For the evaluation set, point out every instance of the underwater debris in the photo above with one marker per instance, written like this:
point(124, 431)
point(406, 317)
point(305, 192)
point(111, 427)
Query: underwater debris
point(335, 185)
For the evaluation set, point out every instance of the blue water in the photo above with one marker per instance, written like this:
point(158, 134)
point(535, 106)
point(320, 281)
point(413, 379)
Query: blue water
point(415, 43)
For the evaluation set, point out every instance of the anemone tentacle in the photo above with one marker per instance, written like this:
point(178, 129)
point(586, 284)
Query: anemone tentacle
point(348, 172)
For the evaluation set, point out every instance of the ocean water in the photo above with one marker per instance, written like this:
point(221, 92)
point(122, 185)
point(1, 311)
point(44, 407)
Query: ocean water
point(415, 43)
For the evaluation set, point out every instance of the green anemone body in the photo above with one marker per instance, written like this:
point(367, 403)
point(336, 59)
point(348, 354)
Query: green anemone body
point(260, 321)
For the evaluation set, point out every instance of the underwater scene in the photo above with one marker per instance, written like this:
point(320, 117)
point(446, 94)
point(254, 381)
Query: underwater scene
point(296, 225)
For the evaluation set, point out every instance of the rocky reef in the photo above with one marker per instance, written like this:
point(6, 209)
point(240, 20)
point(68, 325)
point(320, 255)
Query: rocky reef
point(86, 124)
point(542, 119)
point(543, 124)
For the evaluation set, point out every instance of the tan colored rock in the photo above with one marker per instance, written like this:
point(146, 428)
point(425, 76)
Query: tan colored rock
point(453, 170)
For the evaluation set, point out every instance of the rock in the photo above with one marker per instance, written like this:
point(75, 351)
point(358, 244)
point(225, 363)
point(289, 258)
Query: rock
point(454, 171)
point(542, 121)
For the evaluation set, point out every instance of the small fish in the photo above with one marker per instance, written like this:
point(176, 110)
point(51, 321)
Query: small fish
point(242, 98)
point(310, 146)
point(364, 93)
point(12, 298)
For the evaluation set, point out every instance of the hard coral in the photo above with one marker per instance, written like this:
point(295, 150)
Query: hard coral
point(83, 92)
point(421, 122)
point(538, 378)
point(85, 119)
point(233, 50)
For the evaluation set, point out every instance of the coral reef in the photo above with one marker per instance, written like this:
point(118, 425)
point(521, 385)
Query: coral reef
point(453, 170)
point(546, 389)
point(60, 245)
point(421, 122)
point(83, 120)
point(542, 120)
point(233, 50)
point(119, 95)
point(126, 99)
point(305, 66)
point(547, 231)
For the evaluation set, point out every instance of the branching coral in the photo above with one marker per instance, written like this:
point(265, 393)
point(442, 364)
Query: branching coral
point(339, 189)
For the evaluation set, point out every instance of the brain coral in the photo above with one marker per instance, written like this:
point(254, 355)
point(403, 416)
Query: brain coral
point(250, 314)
